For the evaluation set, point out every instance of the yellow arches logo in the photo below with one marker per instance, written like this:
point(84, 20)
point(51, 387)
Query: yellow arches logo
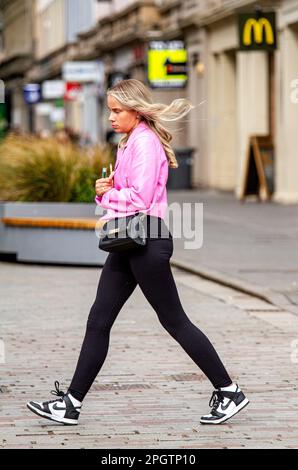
point(257, 32)
point(259, 28)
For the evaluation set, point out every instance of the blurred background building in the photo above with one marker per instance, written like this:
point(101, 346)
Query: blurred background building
point(58, 57)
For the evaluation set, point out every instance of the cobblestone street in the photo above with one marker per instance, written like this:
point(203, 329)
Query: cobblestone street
point(149, 393)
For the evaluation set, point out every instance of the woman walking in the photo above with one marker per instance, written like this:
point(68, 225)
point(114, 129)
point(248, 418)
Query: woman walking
point(139, 184)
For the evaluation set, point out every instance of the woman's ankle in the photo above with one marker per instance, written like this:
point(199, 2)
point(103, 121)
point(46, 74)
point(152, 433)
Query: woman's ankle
point(75, 395)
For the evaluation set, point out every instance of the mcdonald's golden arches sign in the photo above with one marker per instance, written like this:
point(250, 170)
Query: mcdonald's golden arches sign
point(257, 31)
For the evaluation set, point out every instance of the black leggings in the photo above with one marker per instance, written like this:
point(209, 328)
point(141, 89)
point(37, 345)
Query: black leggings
point(148, 267)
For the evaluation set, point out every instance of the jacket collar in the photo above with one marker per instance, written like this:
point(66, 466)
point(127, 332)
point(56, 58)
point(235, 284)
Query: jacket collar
point(142, 125)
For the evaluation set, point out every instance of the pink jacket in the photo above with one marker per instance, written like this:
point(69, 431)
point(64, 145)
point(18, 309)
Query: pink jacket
point(141, 173)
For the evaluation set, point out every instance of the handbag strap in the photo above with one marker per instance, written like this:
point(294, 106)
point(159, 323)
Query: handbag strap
point(141, 216)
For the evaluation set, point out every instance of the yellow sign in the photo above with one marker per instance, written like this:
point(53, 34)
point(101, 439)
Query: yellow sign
point(167, 64)
point(257, 32)
point(259, 28)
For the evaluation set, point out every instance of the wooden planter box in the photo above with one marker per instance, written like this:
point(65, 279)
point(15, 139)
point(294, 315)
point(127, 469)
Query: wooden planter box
point(59, 233)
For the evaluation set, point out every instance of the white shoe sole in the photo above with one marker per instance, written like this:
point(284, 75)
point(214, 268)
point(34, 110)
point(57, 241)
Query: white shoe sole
point(225, 418)
point(51, 417)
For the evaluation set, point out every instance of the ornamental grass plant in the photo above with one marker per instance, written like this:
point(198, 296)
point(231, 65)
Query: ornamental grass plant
point(33, 169)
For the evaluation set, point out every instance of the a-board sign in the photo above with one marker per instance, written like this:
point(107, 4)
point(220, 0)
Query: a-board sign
point(258, 176)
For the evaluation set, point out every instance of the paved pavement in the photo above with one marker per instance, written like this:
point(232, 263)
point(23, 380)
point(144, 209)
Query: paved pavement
point(149, 394)
point(251, 246)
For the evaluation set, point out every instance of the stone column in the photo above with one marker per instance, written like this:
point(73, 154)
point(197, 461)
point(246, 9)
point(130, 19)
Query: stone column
point(286, 160)
point(252, 102)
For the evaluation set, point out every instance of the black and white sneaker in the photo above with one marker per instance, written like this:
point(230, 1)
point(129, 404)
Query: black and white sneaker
point(64, 410)
point(225, 404)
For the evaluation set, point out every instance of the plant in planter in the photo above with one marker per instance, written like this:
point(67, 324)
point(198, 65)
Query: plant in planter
point(45, 170)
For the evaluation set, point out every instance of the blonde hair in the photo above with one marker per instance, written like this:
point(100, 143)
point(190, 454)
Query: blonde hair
point(132, 94)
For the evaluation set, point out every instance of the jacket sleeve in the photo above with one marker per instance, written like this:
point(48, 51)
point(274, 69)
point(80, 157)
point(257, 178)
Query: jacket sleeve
point(144, 173)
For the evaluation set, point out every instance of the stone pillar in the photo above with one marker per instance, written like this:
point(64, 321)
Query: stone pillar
point(222, 121)
point(252, 103)
point(286, 160)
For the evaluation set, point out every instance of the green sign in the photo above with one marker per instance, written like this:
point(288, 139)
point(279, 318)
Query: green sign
point(3, 121)
point(59, 103)
point(257, 31)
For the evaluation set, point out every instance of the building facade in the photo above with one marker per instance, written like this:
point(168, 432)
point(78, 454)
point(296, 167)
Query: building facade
point(17, 55)
point(245, 93)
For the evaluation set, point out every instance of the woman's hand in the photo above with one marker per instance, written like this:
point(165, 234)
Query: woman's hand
point(102, 185)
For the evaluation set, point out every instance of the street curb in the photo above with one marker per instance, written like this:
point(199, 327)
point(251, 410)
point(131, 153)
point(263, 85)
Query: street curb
point(274, 298)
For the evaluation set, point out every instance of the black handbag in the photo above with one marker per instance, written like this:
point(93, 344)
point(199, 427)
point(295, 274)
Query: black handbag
point(123, 233)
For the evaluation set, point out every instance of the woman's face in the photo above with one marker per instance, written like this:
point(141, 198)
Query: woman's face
point(122, 120)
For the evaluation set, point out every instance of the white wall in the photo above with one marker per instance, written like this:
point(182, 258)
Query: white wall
point(50, 27)
point(286, 162)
